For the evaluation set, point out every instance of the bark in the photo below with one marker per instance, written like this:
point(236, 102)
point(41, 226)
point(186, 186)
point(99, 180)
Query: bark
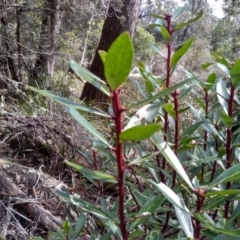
point(55, 24)
point(51, 22)
point(42, 56)
point(9, 50)
point(115, 23)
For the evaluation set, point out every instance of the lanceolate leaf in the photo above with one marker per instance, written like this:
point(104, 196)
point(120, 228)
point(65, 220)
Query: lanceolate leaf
point(103, 55)
point(69, 103)
point(169, 109)
point(105, 177)
point(210, 81)
point(165, 34)
point(139, 132)
point(178, 12)
point(235, 73)
point(231, 174)
point(180, 52)
point(222, 94)
point(83, 122)
point(118, 62)
point(184, 220)
point(166, 92)
point(183, 24)
point(170, 195)
point(208, 225)
point(236, 213)
point(227, 120)
point(167, 152)
point(84, 74)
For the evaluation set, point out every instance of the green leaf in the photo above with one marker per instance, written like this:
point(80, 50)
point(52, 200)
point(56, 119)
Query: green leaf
point(201, 103)
point(183, 24)
point(180, 52)
point(83, 122)
point(118, 62)
point(206, 65)
point(139, 132)
point(66, 226)
point(169, 108)
point(149, 86)
point(227, 192)
point(162, 94)
point(225, 237)
point(208, 225)
point(210, 81)
point(147, 209)
point(236, 213)
point(69, 103)
point(235, 73)
point(170, 195)
point(184, 220)
point(231, 174)
point(227, 120)
point(165, 34)
point(86, 75)
point(222, 94)
point(178, 12)
point(170, 156)
point(156, 49)
point(102, 55)
point(106, 177)
point(79, 226)
point(191, 129)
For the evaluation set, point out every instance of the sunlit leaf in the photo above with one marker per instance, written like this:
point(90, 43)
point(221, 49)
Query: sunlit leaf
point(170, 195)
point(118, 62)
point(183, 24)
point(87, 126)
point(169, 108)
point(231, 174)
point(139, 132)
point(227, 120)
point(86, 75)
point(165, 34)
point(185, 220)
point(208, 225)
point(178, 12)
point(103, 55)
point(222, 94)
point(102, 176)
point(167, 152)
point(159, 95)
point(210, 81)
point(235, 72)
point(180, 52)
point(69, 103)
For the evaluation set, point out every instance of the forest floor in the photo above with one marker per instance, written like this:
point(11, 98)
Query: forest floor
point(36, 136)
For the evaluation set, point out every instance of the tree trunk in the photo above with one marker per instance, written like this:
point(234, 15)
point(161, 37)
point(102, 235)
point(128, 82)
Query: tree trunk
point(115, 23)
point(51, 22)
point(55, 23)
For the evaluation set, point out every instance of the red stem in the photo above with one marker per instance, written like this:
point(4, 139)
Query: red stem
point(205, 132)
point(176, 133)
point(168, 18)
point(121, 168)
point(228, 145)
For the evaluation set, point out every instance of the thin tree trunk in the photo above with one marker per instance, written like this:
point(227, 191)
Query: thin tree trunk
point(10, 61)
point(115, 23)
point(51, 22)
point(42, 56)
point(55, 24)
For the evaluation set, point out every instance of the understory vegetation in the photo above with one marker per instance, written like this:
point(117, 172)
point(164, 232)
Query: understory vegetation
point(161, 162)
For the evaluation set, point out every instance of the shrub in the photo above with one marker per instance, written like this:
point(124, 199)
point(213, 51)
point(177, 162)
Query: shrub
point(173, 182)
